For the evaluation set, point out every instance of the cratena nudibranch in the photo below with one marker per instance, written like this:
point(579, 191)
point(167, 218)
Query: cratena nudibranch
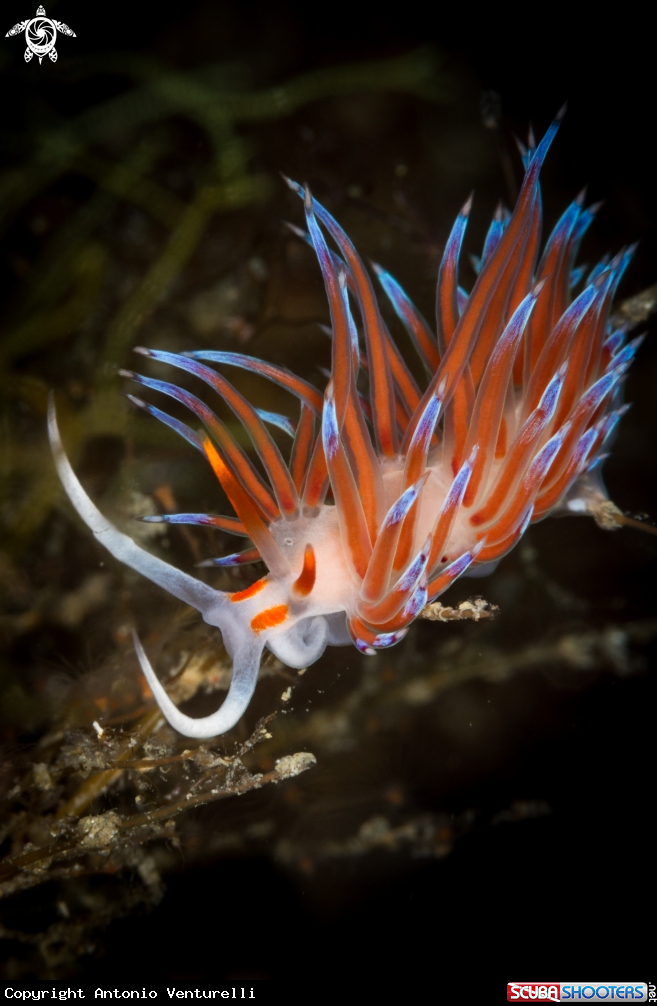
point(524, 388)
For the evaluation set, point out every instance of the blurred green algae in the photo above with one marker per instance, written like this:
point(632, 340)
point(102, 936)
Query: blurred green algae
point(64, 285)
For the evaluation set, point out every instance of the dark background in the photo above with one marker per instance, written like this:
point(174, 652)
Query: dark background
point(565, 895)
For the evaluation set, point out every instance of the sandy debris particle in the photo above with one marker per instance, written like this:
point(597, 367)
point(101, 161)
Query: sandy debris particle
point(100, 829)
point(295, 764)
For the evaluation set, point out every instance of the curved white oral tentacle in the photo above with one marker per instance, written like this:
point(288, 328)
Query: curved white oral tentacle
point(246, 664)
point(186, 588)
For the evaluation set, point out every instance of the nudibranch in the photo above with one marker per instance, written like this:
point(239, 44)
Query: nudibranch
point(393, 492)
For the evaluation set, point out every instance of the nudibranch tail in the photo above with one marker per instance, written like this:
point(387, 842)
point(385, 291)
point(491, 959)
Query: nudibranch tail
point(392, 490)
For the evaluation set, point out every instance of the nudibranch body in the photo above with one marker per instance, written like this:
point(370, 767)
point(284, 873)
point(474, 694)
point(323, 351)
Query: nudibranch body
point(523, 391)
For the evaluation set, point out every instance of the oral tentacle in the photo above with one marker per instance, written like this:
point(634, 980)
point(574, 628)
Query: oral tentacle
point(246, 664)
point(186, 588)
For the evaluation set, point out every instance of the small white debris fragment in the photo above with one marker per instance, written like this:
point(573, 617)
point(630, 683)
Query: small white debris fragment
point(302, 670)
point(97, 727)
point(285, 697)
point(474, 609)
point(295, 764)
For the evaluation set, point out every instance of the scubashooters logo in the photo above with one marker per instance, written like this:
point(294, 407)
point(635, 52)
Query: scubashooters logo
point(577, 992)
point(40, 35)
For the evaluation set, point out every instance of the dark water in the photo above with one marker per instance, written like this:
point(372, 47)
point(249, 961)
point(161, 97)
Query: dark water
point(499, 828)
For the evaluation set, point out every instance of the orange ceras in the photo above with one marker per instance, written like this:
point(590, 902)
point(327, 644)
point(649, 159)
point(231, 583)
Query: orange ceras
point(306, 579)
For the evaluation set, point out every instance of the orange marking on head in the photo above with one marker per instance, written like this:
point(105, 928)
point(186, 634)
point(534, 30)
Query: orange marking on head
point(306, 579)
point(269, 618)
point(255, 588)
